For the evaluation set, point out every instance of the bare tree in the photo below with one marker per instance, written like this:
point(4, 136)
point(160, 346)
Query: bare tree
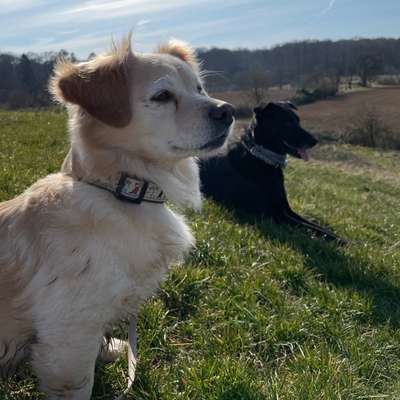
point(369, 66)
point(259, 84)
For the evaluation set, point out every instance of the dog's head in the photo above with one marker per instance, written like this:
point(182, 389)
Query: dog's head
point(277, 127)
point(150, 105)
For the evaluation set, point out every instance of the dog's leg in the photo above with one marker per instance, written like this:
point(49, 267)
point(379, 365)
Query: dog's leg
point(11, 354)
point(112, 348)
point(64, 360)
point(132, 357)
point(132, 352)
point(296, 220)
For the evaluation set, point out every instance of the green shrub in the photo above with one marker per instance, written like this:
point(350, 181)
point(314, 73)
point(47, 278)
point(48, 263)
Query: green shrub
point(324, 89)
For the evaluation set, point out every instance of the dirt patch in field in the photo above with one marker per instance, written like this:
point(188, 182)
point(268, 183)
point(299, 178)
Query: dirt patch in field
point(331, 119)
point(336, 115)
point(245, 97)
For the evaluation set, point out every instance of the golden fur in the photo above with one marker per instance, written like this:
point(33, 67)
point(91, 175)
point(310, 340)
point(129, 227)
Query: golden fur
point(181, 50)
point(73, 258)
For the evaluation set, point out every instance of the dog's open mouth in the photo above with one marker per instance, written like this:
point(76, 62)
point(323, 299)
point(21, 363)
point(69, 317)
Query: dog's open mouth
point(298, 152)
point(303, 154)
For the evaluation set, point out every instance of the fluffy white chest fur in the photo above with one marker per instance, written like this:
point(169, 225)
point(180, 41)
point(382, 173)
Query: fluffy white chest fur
point(102, 255)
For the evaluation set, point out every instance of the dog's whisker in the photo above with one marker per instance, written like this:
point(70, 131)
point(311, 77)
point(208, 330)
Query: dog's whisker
point(205, 74)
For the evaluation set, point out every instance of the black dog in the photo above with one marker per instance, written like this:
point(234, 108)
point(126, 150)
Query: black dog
point(248, 175)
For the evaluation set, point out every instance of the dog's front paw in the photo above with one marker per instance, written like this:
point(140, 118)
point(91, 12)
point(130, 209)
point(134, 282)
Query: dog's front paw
point(112, 349)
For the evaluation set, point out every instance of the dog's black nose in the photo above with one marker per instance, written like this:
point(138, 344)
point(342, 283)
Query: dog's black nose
point(223, 113)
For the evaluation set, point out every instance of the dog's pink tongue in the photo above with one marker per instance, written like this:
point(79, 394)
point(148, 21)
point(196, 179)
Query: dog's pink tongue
point(303, 154)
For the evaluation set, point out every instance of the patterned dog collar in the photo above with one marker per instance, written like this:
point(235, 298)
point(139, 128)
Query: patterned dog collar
point(132, 190)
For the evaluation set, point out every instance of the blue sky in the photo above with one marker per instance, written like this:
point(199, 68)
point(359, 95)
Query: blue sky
point(86, 26)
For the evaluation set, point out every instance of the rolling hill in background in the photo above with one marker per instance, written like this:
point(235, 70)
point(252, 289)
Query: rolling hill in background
point(303, 64)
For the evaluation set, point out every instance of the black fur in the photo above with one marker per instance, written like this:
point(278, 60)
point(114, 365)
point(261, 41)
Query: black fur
point(241, 181)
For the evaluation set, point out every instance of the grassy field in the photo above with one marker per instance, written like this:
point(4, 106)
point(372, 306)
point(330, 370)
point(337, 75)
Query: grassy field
point(258, 311)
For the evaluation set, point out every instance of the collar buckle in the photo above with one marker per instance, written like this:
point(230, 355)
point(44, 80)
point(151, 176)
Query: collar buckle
point(130, 189)
point(135, 191)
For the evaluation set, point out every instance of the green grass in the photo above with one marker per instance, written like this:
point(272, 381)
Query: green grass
point(258, 311)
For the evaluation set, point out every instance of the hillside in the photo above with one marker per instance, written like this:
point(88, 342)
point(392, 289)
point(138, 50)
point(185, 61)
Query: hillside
point(335, 115)
point(299, 64)
point(258, 311)
point(369, 112)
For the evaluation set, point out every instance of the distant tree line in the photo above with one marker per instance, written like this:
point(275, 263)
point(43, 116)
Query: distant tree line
point(305, 64)
point(23, 79)
point(301, 63)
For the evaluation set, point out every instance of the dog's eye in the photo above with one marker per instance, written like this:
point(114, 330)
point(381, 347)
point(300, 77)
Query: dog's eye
point(163, 96)
point(200, 89)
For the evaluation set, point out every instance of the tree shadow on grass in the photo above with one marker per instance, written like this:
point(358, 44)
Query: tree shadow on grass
point(365, 275)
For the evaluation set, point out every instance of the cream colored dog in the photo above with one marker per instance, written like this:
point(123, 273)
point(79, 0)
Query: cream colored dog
point(82, 250)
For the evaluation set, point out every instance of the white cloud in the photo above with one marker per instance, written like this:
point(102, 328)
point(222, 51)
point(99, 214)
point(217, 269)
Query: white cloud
point(145, 39)
point(85, 44)
point(89, 25)
point(69, 32)
point(106, 9)
point(214, 26)
point(11, 6)
point(69, 18)
point(328, 8)
point(143, 22)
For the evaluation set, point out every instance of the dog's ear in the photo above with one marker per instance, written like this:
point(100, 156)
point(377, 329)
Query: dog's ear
point(288, 104)
point(100, 86)
point(259, 109)
point(182, 50)
point(266, 109)
point(291, 105)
